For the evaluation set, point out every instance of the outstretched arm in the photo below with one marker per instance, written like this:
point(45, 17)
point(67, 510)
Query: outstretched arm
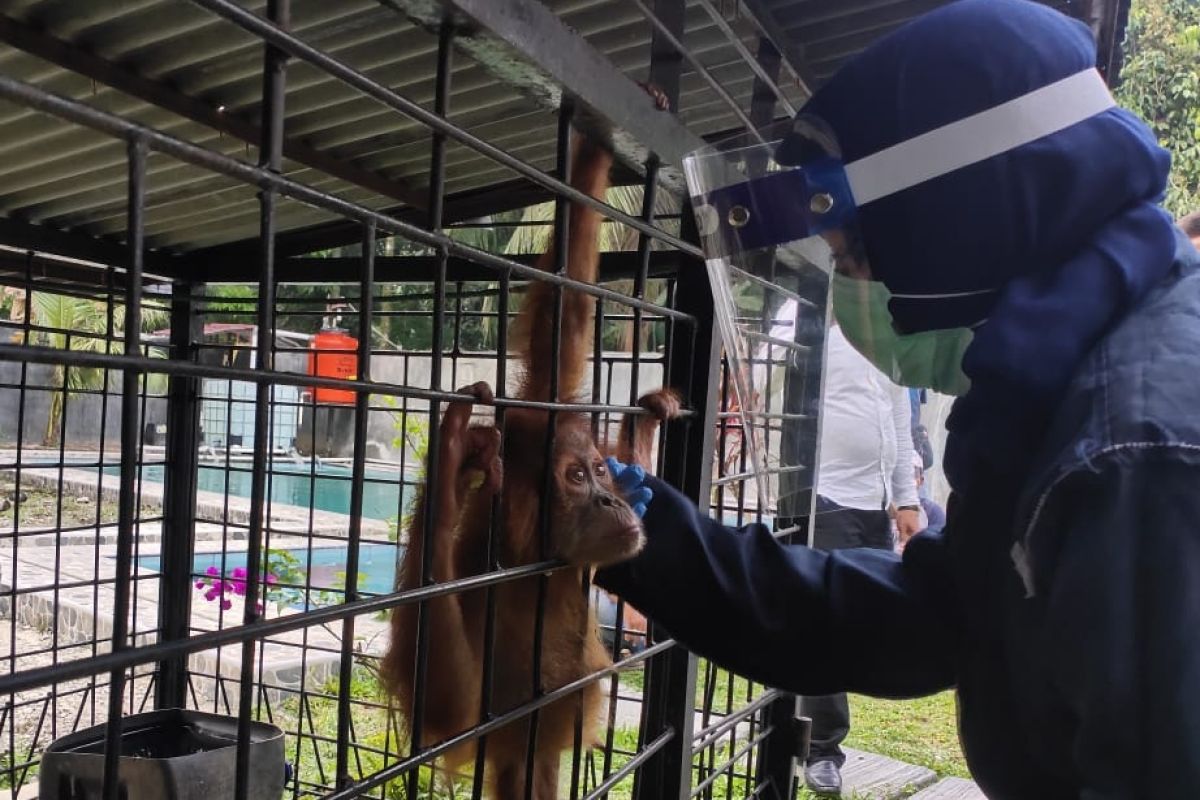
point(533, 330)
point(753, 605)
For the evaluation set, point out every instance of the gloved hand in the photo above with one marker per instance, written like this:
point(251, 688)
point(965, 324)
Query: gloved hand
point(628, 479)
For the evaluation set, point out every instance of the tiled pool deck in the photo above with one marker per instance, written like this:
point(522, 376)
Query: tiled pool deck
point(64, 583)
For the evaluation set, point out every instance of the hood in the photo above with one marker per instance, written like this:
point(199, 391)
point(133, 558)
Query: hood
point(1020, 213)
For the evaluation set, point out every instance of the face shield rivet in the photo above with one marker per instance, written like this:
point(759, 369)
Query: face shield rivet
point(739, 216)
point(821, 203)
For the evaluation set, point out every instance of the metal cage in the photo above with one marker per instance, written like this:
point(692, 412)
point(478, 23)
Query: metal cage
point(193, 191)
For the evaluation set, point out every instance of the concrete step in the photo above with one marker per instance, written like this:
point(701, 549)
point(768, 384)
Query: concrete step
point(950, 789)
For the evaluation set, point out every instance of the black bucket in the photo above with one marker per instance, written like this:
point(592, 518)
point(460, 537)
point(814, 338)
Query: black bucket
point(165, 755)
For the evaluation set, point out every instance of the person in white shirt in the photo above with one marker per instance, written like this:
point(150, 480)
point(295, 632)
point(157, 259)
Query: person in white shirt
point(866, 466)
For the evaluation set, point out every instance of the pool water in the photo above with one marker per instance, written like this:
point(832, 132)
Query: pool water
point(296, 485)
point(376, 566)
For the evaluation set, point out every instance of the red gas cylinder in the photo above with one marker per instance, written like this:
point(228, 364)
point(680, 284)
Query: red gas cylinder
point(333, 354)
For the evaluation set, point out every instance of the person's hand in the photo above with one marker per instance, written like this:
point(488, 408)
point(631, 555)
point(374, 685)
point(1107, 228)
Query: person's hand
point(628, 480)
point(908, 524)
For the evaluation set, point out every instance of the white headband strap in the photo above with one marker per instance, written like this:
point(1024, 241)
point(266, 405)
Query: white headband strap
point(979, 137)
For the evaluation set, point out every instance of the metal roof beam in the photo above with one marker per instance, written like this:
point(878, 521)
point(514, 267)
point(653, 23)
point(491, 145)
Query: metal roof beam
point(760, 70)
point(76, 59)
point(527, 46)
point(78, 246)
point(40, 273)
point(415, 269)
point(790, 51)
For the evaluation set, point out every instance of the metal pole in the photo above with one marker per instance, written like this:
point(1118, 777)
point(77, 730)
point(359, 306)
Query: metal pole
point(495, 531)
point(675, 39)
point(179, 497)
point(669, 699)
point(766, 74)
point(437, 199)
point(687, 463)
point(271, 158)
point(358, 471)
point(797, 479)
point(127, 502)
point(562, 217)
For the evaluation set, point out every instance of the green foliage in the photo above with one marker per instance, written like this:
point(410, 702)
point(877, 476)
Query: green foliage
point(379, 740)
point(721, 690)
point(918, 732)
point(922, 731)
point(1160, 81)
point(411, 432)
point(83, 325)
point(287, 569)
point(334, 594)
point(406, 310)
point(300, 304)
point(13, 777)
point(617, 334)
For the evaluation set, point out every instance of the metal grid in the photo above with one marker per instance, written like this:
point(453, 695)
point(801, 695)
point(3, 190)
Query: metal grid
point(206, 586)
point(173, 452)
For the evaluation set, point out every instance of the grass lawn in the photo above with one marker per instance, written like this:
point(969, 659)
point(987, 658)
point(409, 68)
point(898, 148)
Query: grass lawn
point(917, 732)
point(922, 732)
point(914, 731)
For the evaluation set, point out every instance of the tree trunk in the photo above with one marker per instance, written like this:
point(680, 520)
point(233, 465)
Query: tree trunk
point(54, 416)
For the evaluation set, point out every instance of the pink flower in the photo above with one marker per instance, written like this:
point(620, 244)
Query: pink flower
point(210, 595)
point(271, 579)
point(239, 572)
point(212, 571)
point(239, 588)
point(226, 605)
point(200, 584)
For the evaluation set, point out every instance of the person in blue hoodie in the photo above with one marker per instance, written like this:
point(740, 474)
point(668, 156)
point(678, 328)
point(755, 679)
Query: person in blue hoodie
point(1062, 599)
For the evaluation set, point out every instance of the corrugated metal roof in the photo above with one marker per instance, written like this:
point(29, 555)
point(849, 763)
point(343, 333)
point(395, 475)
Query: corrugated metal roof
point(67, 178)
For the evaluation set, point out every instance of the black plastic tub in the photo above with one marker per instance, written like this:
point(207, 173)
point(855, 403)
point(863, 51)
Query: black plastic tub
point(165, 755)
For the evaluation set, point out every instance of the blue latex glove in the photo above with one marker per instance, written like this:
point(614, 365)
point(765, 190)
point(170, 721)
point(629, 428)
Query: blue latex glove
point(628, 479)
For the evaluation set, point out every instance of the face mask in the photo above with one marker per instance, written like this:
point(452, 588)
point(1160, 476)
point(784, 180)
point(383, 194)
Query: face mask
point(928, 360)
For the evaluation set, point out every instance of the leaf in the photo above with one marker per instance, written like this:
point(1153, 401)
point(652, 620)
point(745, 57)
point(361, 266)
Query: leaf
point(1160, 83)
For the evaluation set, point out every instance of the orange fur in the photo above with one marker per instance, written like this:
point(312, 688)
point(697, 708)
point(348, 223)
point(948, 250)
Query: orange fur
point(570, 647)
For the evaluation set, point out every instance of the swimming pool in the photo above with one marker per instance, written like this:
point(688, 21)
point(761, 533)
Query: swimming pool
point(328, 489)
point(376, 566)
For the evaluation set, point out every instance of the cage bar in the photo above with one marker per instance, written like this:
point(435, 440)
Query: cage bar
point(359, 197)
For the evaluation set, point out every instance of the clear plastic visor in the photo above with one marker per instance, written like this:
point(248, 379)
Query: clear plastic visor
point(771, 232)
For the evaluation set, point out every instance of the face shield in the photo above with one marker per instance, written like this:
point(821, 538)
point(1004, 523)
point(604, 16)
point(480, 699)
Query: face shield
point(776, 211)
point(760, 223)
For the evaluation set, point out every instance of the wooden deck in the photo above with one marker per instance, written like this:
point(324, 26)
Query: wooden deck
point(950, 789)
point(867, 776)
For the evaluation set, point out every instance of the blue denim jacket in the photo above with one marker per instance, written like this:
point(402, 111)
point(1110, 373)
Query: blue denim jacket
point(1070, 625)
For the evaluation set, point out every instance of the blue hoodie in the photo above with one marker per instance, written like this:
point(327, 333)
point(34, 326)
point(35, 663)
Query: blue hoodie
point(1061, 599)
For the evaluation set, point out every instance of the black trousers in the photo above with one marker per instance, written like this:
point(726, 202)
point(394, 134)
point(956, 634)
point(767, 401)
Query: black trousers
point(839, 528)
